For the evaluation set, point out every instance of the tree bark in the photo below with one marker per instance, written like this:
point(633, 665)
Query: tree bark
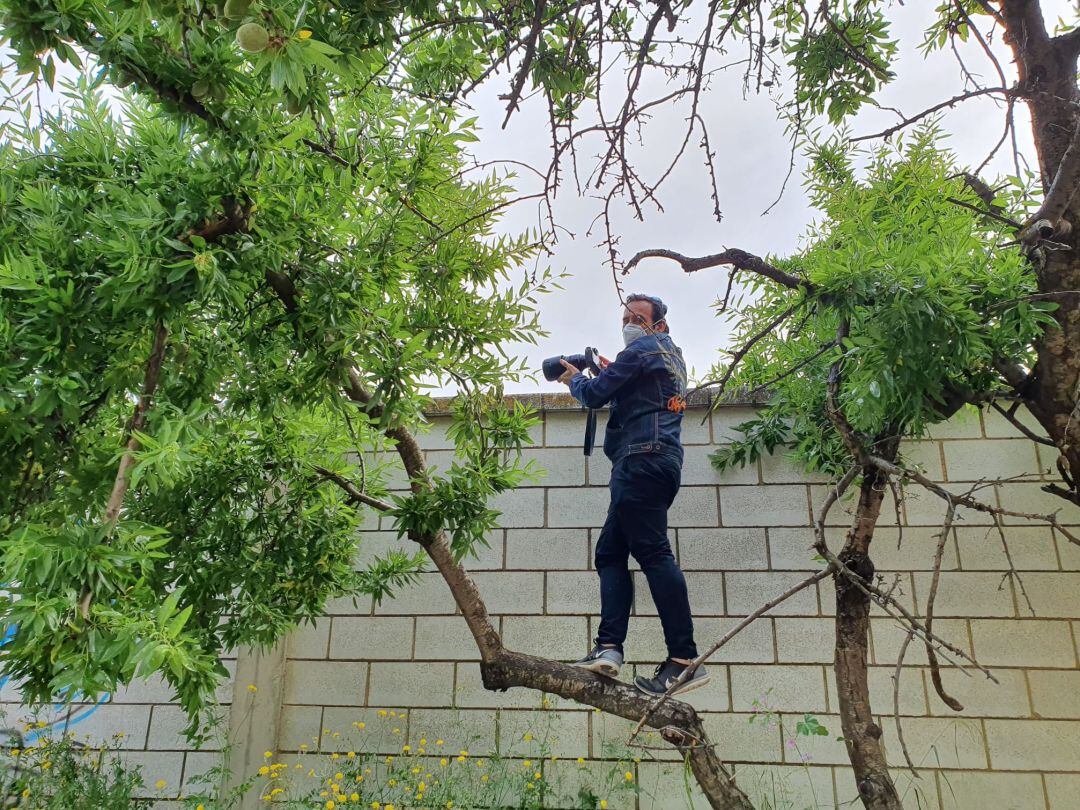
point(1047, 80)
point(862, 735)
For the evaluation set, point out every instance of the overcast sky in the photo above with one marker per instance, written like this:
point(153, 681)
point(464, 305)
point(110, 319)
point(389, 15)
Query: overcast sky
point(752, 159)
point(752, 154)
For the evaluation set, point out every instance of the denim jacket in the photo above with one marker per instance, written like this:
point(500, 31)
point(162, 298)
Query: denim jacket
point(640, 384)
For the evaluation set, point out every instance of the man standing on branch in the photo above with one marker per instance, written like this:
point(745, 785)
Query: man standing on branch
point(646, 388)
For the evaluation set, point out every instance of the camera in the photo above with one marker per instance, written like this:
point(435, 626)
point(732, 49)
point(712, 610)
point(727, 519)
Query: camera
point(553, 368)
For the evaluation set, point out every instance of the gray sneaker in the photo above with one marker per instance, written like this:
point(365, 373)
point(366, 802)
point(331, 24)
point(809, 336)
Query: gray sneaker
point(665, 676)
point(602, 660)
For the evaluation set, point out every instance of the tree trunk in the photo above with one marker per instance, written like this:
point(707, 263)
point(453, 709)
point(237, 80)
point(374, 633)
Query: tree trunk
point(1046, 68)
point(862, 735)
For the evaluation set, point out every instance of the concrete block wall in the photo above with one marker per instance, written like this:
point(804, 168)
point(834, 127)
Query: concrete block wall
point(741, 537)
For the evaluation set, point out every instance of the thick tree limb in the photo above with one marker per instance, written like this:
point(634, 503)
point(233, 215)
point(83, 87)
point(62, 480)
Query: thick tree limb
point(739, 259)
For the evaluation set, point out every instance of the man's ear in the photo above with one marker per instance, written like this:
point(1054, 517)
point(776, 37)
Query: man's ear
point(660, 325)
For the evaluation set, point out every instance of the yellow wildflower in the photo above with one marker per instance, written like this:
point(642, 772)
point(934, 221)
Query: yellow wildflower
point(406, 749)
point(528, 737)
point(629, 776)
point(263, 771)
point(354, 797)
point(252, 687)
point(536, 775)
point(338, 776)
point(160, 784)
point(351, 754)
point(382, 712)
point(442, 761)
point(438, 742)
point(330, 805)
point(603, 804)
point(303, 34)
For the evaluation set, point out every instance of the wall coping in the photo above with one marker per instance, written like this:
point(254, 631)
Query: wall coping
point(696, 399)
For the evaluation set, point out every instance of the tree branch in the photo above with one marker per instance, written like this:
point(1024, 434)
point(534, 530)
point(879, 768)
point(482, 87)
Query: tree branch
point(739, 259)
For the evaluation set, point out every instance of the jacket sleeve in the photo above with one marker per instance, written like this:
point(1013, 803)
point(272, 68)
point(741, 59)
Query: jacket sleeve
point(598, 391)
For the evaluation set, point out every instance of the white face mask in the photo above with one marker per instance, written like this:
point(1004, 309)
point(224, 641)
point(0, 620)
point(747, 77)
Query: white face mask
point(632, 332)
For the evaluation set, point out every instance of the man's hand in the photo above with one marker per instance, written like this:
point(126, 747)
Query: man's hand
point(569, 373)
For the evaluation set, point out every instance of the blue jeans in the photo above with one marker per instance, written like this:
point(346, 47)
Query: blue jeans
point(643, 485)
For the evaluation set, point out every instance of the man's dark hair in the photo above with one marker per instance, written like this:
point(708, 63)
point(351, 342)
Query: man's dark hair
point(659, 308)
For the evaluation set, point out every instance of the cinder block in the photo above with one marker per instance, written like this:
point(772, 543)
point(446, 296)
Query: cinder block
point(980, 696)
point(309, 640)
point(1033, 745)
point(511, 591)
point(1030, 499)
point(772, 505)
point(564, 733)
point(140, 690)
point(663, 785)
point(435, 438)
point(1055, 693)
point(578, 506)
point(609, 734)
point(383, 468)
point(1023, 643)
point(469, 692)
point(705, 588)
point(1031, 548)
point(965, 424)
point(355, 605)
point(120, 726)
point(698, 469)
point(411, 684)
point(780, 468)
point(776, 688)
point(747, 591)
point(568, 779)
point(567, 428)
point(1068, 551)
point(486, 555)
point(996, 426)
point(722, 549)
point(547, 548)
point(925, 456)
point(1052, 594)
point(804, 641)
point(952, 742)
point(978, 790)
point(561, 638)
point(445, 638)
point(792, 786)
point(300, 725)
point(320, 683)
point(741, 740)
point(469, 730)
point(880, 680)
point(917, 547)
point(373, 544)
point(564, 466)
point(520, 508)
point(1062, 790)
point(924, 508)
point(696, 428)
point(967, 593)
point(887, 635)
point(726, 418)
point(985, 461)
point(597, 469)
point(752, 645)
point(428, 595)
point(573, 592)
point(694, 506)
point(818, 749)
point(167, 724)
point(791, 549)
point(155, 766)
point(197, 766)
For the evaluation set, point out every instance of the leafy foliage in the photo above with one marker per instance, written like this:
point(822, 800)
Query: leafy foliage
point(274, 270)
point(931, 300)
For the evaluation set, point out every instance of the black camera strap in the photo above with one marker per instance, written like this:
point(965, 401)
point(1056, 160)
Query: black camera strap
point(590, 431)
